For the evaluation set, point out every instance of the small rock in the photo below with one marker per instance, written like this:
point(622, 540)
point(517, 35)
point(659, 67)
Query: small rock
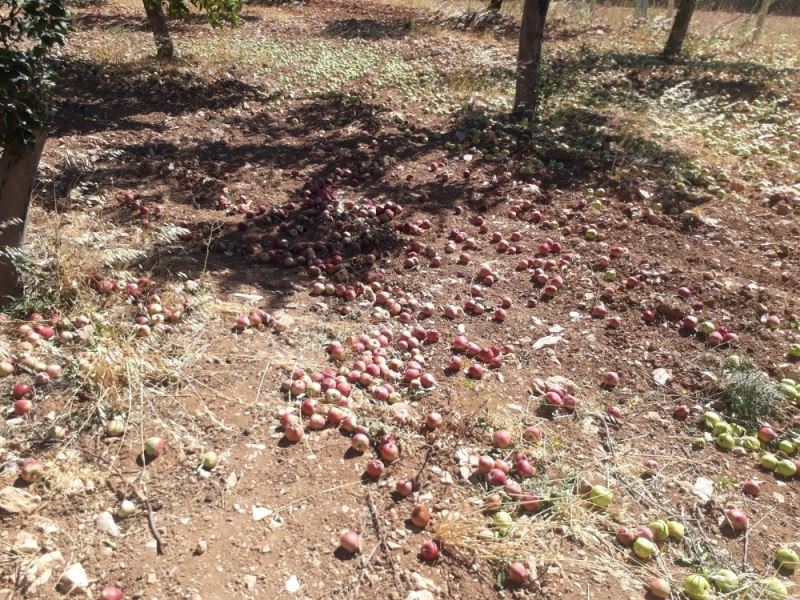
point(25, 543)
point(703, 488)
point(74, 581)
point(35, 574)
point(201, 547)
point(292, 584)
point(661, 376)
point(420, 595)
point(250, 582)
point(105, 523)
point(419, 582)
point(14, 501)
point(75, 487)
point(546, 342)
point(260, 513)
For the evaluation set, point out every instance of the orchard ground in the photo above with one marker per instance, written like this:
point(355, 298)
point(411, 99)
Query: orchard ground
point(314, 123)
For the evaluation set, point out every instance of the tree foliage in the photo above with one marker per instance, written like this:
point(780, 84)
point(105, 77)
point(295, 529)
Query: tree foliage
point(216, 12)
point(29, 31)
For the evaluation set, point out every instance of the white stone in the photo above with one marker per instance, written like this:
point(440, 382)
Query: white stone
point(250, 582)
point(35, 574)
point(292, 584)
point(260, 513)
point(703, 488)
point(420, 595)
point(546, 342)
point(25, 543)
point(105, 523)
point(74, 581)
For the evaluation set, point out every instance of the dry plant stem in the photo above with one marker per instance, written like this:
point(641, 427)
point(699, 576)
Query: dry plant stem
point(151, 522)
point(112, 466)
point(382, 541)
point(416, 477)
point(746, 549)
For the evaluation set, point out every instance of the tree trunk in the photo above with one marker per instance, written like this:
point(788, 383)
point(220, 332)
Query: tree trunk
point(529, 58)
point(761, 18)
point(680, 27)
point(641, 9)
point(18, 168)
point(158, 25)
point(495, 5)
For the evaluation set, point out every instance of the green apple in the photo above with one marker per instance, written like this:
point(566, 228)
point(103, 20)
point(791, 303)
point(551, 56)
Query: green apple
point(644, 548)
point(711, 418)
point(769, 461)
point(773, 589)
point(503, 522)
point(751, 442)
point(732, 362)
point(660, 530)
point(724, 580)
point(706, 327)
point(600, 496)
point(677, 530)
point(725, 441)
point(697, 587)
point(786, 468)
point(787, 447)
point(722, 427)
point(787, 559)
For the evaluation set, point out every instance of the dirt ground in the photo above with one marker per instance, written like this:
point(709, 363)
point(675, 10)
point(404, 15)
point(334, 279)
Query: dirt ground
point(311, 121)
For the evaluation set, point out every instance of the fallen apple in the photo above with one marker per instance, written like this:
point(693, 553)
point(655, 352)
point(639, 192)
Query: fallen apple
point(773, 588)
point(787, 559)
point(153, 447)
point(350, 541)
point(516, 573)
point(31, 470)
point(658, 587)
point(644, 548)
point(600, 496)
point(724, 580)
point(697, 587)
point(660, 530)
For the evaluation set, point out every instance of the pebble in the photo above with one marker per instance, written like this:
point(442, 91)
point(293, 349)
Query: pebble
point(419, 582)
point(74, 581)
point(420, 595)
point(259, 513)
point(292, 584)
point(25, 543)
point(105, 523)
point(250, 582)
point(200, 548)
point(14, 501)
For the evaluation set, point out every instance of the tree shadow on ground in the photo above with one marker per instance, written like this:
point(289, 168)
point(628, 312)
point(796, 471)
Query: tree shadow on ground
point(94, 97)
point(367, 29)
point(648, 77)
point(334, 150)
point(572, 151)
point(88, 21)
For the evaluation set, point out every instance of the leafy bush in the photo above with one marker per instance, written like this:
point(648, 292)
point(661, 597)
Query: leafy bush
point(750, 396)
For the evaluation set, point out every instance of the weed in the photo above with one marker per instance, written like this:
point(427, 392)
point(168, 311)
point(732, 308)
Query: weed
point(749, 395)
